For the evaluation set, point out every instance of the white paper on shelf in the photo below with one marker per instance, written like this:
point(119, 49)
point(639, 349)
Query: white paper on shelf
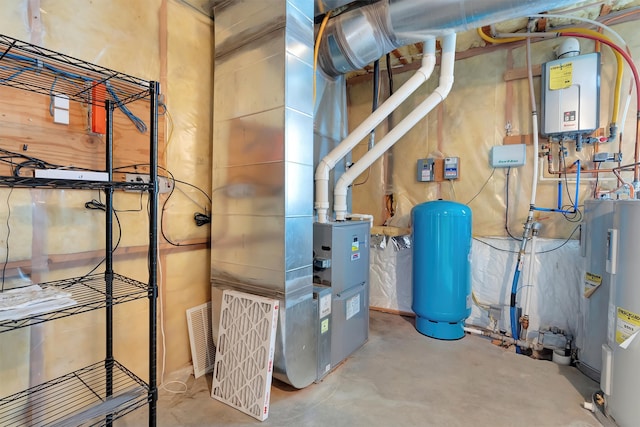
point(16, 304)
point(37, 308)
point(29, 295)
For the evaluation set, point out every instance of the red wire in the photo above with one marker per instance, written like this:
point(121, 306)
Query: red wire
point(614, 46)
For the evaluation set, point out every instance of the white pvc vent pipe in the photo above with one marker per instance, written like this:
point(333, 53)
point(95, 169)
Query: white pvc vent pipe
point(390, 105)
point(438, 95)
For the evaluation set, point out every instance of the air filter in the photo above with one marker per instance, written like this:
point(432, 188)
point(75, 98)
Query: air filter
point(203, 352)
point(244, 360)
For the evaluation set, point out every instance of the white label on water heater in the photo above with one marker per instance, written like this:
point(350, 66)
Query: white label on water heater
point(627, 325)
point(468, 301)
point(353, 306)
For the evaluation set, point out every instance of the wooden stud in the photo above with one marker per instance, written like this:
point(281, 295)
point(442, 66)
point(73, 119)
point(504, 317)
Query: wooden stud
point(605, 9)
point(35, 22)
point(521, 73)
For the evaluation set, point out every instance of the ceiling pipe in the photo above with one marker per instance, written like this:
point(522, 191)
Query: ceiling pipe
point(360, 36)
point(327, 163)
point(441, 92)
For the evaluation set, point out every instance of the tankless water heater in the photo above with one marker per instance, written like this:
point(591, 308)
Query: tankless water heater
point(571, 96)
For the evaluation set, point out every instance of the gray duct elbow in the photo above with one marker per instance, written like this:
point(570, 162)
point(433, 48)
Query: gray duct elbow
point(357, 38)
point(360, 36)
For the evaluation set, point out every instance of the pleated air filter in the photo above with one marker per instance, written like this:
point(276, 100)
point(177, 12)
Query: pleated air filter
point(244, 360)
point(203, 352)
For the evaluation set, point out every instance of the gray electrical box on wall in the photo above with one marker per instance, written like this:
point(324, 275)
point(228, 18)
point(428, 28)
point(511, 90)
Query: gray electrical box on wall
point(571, 95)
point(426, 170)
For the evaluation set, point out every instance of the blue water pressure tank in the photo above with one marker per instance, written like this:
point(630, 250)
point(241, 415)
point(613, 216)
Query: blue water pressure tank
point(441, 268)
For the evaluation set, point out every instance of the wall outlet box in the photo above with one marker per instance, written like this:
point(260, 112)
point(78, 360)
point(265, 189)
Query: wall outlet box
point(451, 167)
point(60, 116)
point(508, 156)
point(165, 185)
point(61, 101)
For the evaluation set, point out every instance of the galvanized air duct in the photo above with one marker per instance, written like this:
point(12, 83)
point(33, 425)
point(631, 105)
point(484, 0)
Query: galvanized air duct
point(262, 216)
point(360, 36)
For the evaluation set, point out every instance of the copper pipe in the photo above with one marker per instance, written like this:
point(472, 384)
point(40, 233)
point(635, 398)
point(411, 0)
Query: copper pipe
point(626, 167)
point(631, 190)
point(596, 171)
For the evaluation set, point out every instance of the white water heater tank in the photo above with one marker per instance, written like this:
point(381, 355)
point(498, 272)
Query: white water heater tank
point(621, 375)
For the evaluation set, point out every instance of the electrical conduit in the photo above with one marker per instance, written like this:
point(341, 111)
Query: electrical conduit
point(441, 92)
point(387, 107)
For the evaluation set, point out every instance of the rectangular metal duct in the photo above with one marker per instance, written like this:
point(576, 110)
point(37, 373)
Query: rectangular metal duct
point(262, 215)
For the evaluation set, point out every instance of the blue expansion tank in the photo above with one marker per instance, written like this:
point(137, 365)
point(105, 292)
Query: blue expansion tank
point(441, 268)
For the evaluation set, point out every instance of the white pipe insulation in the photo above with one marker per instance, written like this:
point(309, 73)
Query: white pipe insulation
point(439, 94)
point(391, 104)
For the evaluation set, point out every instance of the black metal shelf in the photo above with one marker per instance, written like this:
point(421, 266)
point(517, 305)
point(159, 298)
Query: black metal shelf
point(30, 182)
point(98, 387)
point(36, 69)
point(66, 401)
point(89, 292)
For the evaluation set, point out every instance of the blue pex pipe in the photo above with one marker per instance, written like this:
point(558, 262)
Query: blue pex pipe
point(575, 200)
point(559, 194)
point(512, 310)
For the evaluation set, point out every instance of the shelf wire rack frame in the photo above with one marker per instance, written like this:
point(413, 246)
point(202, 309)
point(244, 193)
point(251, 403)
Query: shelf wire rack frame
point(37, 69)
point(89, 294)
point(63, 401)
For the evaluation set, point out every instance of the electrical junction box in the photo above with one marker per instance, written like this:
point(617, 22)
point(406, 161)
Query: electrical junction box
point(426, 170)
point(508, 156)
point(438, 170)
point(606, 157)
point(451, 167)
point(571, 95)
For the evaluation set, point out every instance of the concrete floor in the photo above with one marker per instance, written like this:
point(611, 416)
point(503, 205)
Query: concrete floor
point(402, 378)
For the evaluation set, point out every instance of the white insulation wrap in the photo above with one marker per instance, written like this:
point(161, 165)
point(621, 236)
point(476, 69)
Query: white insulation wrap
point(390, 273)
point(555, 292)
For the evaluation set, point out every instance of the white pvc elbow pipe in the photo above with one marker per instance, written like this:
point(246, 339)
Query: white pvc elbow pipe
point(441, 92)
point(389, 106)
